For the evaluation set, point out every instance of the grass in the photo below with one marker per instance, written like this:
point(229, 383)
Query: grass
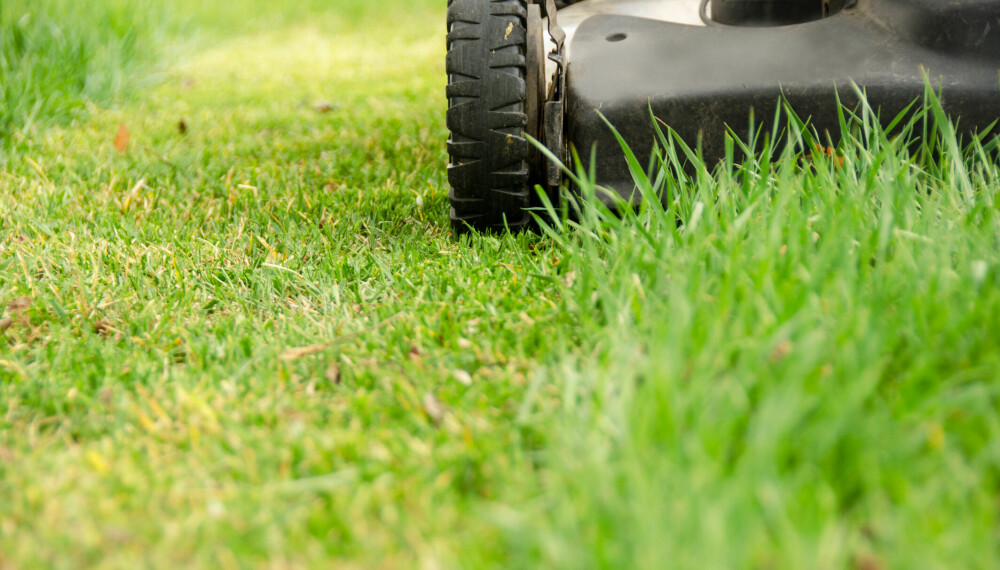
point(255, 343)
point(57, 56)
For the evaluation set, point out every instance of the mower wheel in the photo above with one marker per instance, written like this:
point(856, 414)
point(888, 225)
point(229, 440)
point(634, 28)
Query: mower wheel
point(487, 114)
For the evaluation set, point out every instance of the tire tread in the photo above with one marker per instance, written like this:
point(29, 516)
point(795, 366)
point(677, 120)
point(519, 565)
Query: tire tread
point(488, 152)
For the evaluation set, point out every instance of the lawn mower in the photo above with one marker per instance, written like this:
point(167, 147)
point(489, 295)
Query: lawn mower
point(561, 72)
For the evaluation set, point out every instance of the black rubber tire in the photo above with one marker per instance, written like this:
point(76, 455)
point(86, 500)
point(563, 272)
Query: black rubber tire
point(487, 149)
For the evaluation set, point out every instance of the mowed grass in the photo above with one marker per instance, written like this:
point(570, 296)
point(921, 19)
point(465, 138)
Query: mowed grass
point(250, 340)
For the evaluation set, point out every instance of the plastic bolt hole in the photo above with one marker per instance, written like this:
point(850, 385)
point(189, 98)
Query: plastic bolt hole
point(616, 37)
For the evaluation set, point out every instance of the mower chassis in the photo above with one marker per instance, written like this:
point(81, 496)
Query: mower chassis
point(699, 80)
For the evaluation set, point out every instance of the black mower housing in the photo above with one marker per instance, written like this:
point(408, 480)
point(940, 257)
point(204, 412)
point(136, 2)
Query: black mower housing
point(699, 80)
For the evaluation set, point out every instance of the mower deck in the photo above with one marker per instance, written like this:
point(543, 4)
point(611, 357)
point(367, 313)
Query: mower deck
point(520, 68)
point(699, 80)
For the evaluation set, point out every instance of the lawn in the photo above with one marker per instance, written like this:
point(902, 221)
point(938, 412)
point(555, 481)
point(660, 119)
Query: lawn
point(237, 331)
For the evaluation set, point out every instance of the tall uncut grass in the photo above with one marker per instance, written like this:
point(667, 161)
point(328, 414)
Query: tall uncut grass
point(57, 56)
point(796, 361)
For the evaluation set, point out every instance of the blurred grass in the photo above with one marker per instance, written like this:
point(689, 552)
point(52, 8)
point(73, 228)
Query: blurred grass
point(56, 56)
point(59, 57)
point(796, 360)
